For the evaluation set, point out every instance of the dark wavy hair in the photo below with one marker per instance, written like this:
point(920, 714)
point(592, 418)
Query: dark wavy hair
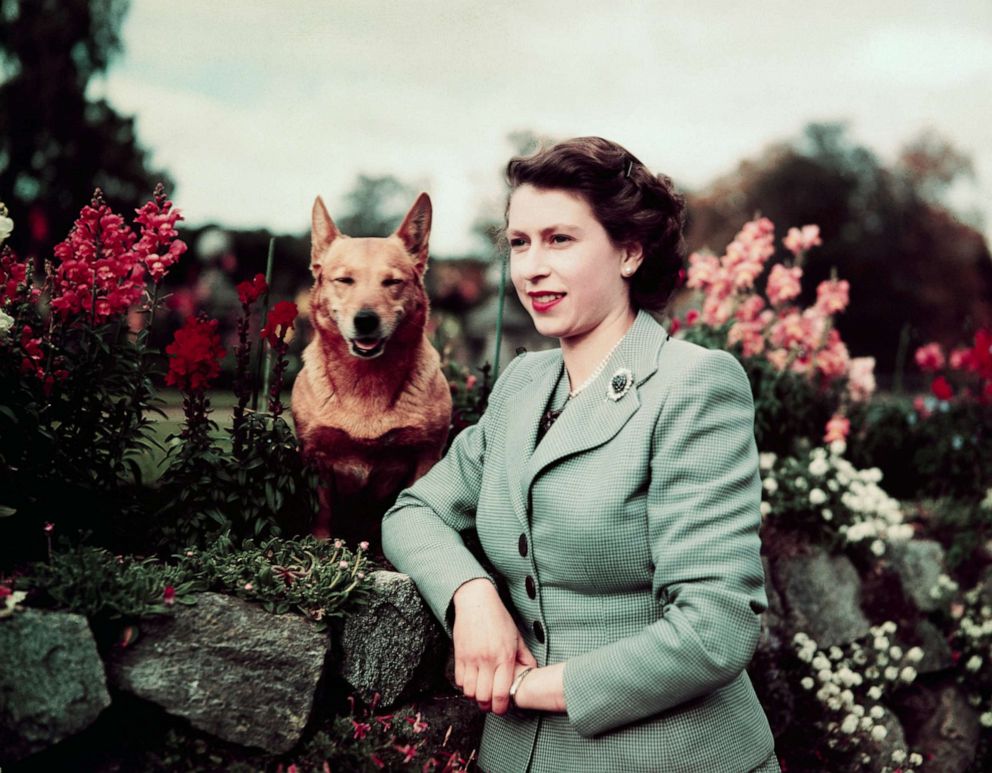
point(633, 205)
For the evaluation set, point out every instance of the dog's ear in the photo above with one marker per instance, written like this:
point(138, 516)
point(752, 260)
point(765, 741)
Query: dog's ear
point(322, 233)
point(415, 230)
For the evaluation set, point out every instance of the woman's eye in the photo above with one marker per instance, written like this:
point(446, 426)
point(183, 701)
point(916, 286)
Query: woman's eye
point(517, 242)
point(561, 238)
point(345, 280)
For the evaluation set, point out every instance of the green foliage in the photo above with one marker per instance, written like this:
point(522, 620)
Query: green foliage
point(469, 395)
point(939, 451)
point(318, 578)
point(71, 446)
point(261, 492)
point(964, 526)
point(93, 582)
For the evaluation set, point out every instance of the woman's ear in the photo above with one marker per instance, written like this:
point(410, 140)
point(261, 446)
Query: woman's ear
point(633, 256)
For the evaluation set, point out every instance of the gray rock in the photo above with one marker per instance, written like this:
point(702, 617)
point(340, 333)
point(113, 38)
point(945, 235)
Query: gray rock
point(918, 563)
point(52, 681)
point(392, 645)
point(943, 726)
point(821, 594)
point(881, 751)
point(230, 668)
point(936, 651)
point(770, 683)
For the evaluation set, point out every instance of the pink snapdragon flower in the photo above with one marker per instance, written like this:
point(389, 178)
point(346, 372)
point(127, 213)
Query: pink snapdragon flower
point(799, 240)
point(832, 295)
point(930, 358)
point(861, 378)
point(784, 284)
point(838, 428)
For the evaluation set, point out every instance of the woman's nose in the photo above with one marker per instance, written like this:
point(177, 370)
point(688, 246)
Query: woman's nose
point(534, 263)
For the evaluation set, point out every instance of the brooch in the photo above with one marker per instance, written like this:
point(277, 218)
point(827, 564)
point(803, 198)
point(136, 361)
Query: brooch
point(620, 384)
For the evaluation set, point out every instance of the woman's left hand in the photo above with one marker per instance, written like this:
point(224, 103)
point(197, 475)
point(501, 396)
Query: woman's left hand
point(543, 689)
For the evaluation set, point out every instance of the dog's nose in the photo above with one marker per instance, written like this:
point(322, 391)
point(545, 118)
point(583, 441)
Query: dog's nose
point(366, 322)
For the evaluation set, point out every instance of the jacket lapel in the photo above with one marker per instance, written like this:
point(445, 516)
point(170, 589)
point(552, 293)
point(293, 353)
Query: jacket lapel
point(588, 421)
point(527, 407)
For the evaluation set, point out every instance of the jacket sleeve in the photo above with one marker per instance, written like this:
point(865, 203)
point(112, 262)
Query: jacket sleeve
point(421, 532)
point(703, 526)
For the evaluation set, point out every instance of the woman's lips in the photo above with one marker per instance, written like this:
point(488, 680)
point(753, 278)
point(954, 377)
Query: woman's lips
point(542, 302)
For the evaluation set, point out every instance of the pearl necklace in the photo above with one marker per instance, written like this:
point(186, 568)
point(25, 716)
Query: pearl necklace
point(599, 369)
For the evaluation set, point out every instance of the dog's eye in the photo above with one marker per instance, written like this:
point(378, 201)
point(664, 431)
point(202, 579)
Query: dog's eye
point(391, 282)
point(345, 280)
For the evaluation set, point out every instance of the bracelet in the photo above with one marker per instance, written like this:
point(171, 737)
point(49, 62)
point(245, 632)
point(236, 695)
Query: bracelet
point(516, 685)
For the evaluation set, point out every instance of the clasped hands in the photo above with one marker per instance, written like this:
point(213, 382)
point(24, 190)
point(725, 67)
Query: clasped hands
point(490, 653)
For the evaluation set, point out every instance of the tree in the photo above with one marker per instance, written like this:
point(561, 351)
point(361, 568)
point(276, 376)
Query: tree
point(56, 145)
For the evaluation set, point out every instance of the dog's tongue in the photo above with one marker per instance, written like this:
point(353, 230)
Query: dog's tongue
point(367, 345)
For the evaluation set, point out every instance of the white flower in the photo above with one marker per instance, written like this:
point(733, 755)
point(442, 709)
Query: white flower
point(908, 674)
point(888, 627)
point(817, 497)
point(833, 485)
point(866, 723)
point(765, 508)
point(819, 467)
point(800, 482)
point(877, 712)
point(898, 755)
point(915, 655)
point(6, 323)
point(858, 710)
point(878, 547)
point(974, 663)
point(827, 514)
point(766, 461)
point(881, 643)
point(987, 502)
point(807, 682)
point(6, 227)
point(820, 662)
point(878, 732)
point(833, 704)
point(986, 719)
point(824, 675)
point(892, 673)
point(850, 724)
point(915, 759)
point(896, 652)
point(836, 653)
point(838, 447)
point(771, 485)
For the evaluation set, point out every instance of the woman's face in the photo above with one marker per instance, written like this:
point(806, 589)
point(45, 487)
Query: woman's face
point(568, 274)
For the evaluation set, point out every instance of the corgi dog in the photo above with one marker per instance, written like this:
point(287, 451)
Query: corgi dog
point(371, 406)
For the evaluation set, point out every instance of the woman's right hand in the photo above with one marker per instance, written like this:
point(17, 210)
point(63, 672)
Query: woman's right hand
point(488, 646)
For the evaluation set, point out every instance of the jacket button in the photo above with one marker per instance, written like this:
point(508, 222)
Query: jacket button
point(531, 588)
point(539, 631)
point(522, 545)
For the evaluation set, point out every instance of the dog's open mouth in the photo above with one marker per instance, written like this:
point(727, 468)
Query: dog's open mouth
point(367, 347)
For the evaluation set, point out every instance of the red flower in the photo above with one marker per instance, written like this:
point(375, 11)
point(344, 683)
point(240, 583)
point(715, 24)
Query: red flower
point(980, 357)
point(169, 596)
point(195, 355)
point(250, 291)
point(673, 328)
point(941, 388)
point(361, 729)
point(279, 321)
point(49, 527)
point(691, 316)
point(5, 591)
point(407, 750)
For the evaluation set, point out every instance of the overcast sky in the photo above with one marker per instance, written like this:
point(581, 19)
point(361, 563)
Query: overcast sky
point(256, 107)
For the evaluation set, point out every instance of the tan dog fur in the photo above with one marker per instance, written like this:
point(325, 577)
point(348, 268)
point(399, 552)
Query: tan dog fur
point(371, 425)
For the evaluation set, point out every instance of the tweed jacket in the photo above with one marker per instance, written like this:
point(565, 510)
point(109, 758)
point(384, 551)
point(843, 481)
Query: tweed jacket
point(626, 544)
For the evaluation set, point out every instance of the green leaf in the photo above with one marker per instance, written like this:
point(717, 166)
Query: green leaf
point(6, 511)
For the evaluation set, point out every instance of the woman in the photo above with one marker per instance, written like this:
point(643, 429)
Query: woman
point(613, 486)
